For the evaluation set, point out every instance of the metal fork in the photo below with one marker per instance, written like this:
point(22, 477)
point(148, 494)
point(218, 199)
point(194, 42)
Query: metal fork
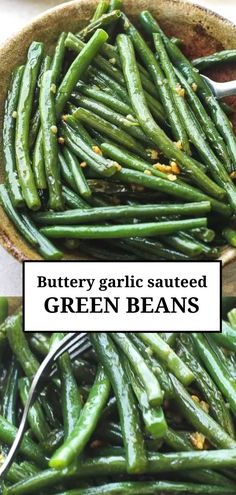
point(75, 344)
point(220, 90)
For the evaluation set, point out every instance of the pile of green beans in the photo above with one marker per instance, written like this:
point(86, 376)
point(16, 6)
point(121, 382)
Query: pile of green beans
point(139, 413)
point(117, 136)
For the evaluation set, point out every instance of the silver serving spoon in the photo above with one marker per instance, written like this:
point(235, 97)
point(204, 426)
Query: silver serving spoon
point(220, 90)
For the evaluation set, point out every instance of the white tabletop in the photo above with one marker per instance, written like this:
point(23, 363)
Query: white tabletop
point(14, 14)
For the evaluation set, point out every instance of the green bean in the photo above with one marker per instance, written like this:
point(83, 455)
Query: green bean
point(215, 139)
point(142, 370)
point(154, 419)
point(35, 120)
point(66, 173)
point(15, 319)
point(27, 228)
point(155, 365)
point(38, 162)
point(205, 234)
point(218, 116)
point(159, 80)
point(20, 347)
point(70, 396)
point(9, 137)
point(8, 409)
point(36, 418)
point(206, 386)
point(3, 309)
point(105, 98)
point(150, 127)
point(216, 369)
point(131, 160)
point(101, 9)
point(214, 58)
point(85, 425)
point(216, 169)
point(24, 108)
point(153, 250)
point(53, 441)
point(81, 183)
point(105, 82)
point(78, 68)
point(156, 183)
point(168, 356)
point(129, 418)
point(103, 21)
point(97, 163)
point(57, 61)
point(44, 247)
point(230, 235)
point(149, 488)
point(110, 129)
point(78, 216)
point(226, 338)
point(210, 251)
point(102, 466)
point(120, 231)
point(130, 125)
point(49, 139)
point(29, 448)
point(186, 246)
point(196, 416)
point(80, 129)
point(72, 199)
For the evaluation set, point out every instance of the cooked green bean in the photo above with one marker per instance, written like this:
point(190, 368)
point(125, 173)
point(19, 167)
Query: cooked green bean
point(9, 125)
point(145, 374)
point(168, 356)
point(101, 9)
point(206, 122)
point(70, 395)
point(57, 61)
point(216, 369)
point(29, 448)
point(129, 416)
point(77, 68)
point(24, 108)
point(230, 235)
point(196, 416)
point(214, 58)
point(76, 216)
point(103, 21)
point(149, 488)
point(49, 139)
point(38, 164)
point(36, 419)
point(27, 228)
point(120, 231)
point(80, 181)
point(85, 425)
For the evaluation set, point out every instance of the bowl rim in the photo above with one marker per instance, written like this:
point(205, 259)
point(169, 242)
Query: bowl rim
point(229, 253)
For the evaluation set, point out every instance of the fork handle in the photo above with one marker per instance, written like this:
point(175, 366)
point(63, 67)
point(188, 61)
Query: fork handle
point(226, 89)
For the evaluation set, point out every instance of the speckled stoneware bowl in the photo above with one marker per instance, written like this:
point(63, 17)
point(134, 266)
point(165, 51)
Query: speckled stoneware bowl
point(201, 30)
